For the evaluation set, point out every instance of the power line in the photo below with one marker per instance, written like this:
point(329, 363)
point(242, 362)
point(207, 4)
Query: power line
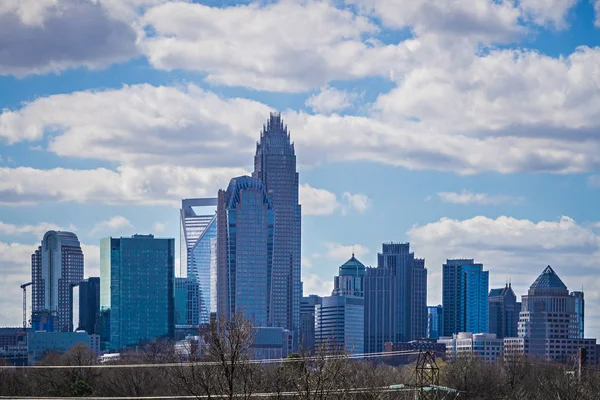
point(216, 363)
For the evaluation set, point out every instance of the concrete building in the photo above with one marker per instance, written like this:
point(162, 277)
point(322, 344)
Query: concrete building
point(55, 266)
point(503, 312)
point(275, 167)
point(138, 287)
point(484, 345)
point(395, 298)
point(245, 226)
point(465, 297)
point(13, 345)
point(198, 252)
point(579, 313)
point(412, 348)
point(307, 322)
point(271, 343)
point(435, 321)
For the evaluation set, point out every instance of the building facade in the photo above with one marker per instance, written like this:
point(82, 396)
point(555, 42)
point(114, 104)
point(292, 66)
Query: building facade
point(245, 228)
point(55, 266)
point(197, 256)
point(275, 167)
point(486, 346)
point(465, 297)
point(395, 298)
point(187, 302)
point(138, 287)
point(339, 324)
point(579, 313)
point(307, 322)
point(435, 321)
point(89, 306)
point(549, 320)
point(503, 311)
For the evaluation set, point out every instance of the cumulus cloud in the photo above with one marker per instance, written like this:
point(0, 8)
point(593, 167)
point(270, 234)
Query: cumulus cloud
point(323, 202)
point(113, 226)
point(596, 4)
point(340, 252)
point(158, 227)
point(314, 284)
point(61, 34)
point(330, 99)
point(467, 197)
point(37, 230)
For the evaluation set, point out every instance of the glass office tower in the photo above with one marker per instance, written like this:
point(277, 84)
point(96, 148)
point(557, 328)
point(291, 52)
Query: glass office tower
point(138, 285)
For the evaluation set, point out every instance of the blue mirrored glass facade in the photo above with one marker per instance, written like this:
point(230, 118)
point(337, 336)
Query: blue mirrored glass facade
point(138, 285)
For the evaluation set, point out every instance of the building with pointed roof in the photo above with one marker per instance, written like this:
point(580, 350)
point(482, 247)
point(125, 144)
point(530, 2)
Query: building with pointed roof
point(503, 312)
point(548, 323)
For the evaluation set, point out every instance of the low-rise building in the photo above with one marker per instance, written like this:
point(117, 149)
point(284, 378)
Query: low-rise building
point(484, 345)
point(412, 348)
point(39, 344)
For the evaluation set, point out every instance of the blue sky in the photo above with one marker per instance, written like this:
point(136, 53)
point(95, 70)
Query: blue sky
point(468, 128)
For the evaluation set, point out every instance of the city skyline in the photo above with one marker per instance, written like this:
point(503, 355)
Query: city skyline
point(470, 133)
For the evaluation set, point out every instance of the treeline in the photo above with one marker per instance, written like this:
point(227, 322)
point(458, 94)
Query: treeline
point(222, 368)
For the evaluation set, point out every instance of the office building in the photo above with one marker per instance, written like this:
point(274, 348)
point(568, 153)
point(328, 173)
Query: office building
point(503, 311)
point(245, 220)
point(548, 323)
point(350, 279)
point(307, 322)
point(198, 247)
point(137, 285)
point(395, 298)
point(465, 297)
point(275, 167)
point(187, 302)
point(55, 266)
point(89, 306)
point(39, 344)
point(271, 343)
point(435, 321)
point(486, 346)
point(579, 312)
point(412, 350)
point(339, 324)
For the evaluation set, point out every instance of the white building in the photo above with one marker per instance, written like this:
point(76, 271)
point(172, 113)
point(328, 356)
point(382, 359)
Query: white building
point(484, 345)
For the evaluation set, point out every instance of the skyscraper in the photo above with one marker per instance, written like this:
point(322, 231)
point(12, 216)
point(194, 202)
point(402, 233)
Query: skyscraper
point(579, 312)
point(198, 232)
point(275, 167)
point(137, 286)
point(465, 297)
point(187, 302)
point(307, 322)
point(245, 220)
point(395, 298)
point(503, 312)
point(55, 266)
point(435, 321)
point(89, 306)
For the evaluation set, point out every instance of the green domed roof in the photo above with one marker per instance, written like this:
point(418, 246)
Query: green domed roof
point(353, 267)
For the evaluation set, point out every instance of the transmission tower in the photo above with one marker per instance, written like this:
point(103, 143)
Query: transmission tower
point(428, 377)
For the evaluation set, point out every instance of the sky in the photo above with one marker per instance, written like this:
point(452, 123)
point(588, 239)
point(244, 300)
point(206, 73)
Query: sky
point(470, 129)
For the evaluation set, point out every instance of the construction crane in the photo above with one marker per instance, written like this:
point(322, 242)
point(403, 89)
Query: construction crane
point(24, 287)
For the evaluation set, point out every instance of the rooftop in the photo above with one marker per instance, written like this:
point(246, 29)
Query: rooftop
point(548, 280)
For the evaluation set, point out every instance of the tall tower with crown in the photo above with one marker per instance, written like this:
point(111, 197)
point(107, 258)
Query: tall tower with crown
point(275, 167)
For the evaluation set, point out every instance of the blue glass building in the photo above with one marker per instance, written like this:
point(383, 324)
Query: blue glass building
point(198, 248)
point(275, 167)
point(137, 285)
point(89, 306)
point(187, 302)
point(503, 311)
point(435, 321)
point(465, 297)
point(579, 312)
point(245, 226)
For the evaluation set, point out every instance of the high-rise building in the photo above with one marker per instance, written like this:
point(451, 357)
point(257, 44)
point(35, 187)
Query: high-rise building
point(187, 302)
point(465, 297)
point(395, 298)
point(137, 285)
point(503, 312)
point(197, 243)
point(307, 322)
point(435, 321)
point(579, 312)
point(55, 266)
point(548, 323)
point(275, 167)
point(339, 319)
point(245, 228)
point(89, 306)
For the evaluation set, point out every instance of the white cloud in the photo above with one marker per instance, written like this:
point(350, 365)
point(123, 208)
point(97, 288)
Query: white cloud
point(61, 34)
point(330, 99)
point(548, 12)
point(340, 252)
point(160, 185)
point(158, 227)
point(596, 4)
point(316, 201)
point(467, 197)
point(314, 284)
point(112, 226)
point(37, 230)
point(515, 248)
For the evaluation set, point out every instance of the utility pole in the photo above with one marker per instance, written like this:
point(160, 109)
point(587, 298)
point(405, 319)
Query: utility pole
point(428, 377)
point(24, 287)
